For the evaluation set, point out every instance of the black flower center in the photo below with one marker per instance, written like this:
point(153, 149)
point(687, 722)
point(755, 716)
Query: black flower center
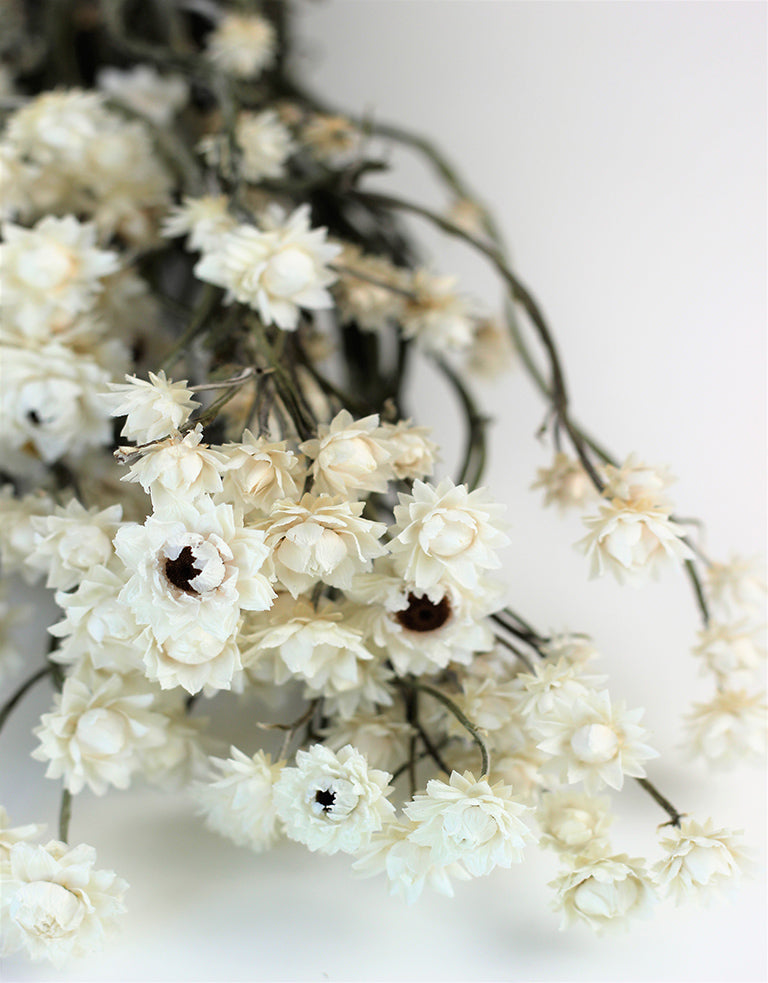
point(423, 614)
point(181, 570)
point(325, 797)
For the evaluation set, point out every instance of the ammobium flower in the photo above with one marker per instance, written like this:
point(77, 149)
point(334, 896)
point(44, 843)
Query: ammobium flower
point(276, 270)
point(179, 468)
point(242, 45)
point(565, 483)
point(331, 802)
point(633, 543)
point(413, 453)
point(408, 865)
point(54, 904)
point(238, 799)
point(144, 90)
point(471, 821)
point(603, 891)
point(700, 860)
point(71, 541)
point(9, 835)
point(437, 317)
point(205, 221)
point(51, 274)
point(373, 299)
point(349, 456)
point(266, 144)
point(637, 484)
point(260, 472)
point(320, 538)
point(730, 729)
point(572, 822)
point(730, 651)
point(593, 741)
point(152, 409)
point(445, 535)
point(99, 727)
point(193, 567)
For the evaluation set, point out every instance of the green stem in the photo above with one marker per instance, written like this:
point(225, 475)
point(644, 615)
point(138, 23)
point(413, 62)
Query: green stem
point(65, 814)
point(666, 805)
point(473, 463)
point(20, 692)
point(698, 590)
point(465, 722)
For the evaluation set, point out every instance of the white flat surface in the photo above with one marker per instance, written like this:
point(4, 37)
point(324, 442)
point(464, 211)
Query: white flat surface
point(623, 148)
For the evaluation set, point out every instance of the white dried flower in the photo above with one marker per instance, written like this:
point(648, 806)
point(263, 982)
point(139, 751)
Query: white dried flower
point(49, 404)
point(9, 835)
point(637, 484)
point(700, 860)
point(576, 649)
point(565, 483)
point(572, 822)
point(737, 587)
point(266, 144)
point(633, 543)
point(369, 290)
point(373, 691)
point(603, 892)
point(152, 409)
point(96, 626)
point(100, 725)
point(331, 802)
point(320, 645)
point(732, 728)
point(54, 904)
point(408, 865)
point(413, 453)
point(260, 472)
point(320, 538)
point(193, 567)
point(445, 535)
point(205, 221)
point(72, 540)
point(276, 270)
point(492, 352)
point(333, 140)
point(237, 800)
point(51, 274)
point(594, 741)
point(17, 537)
point(349, 456)
point(470, 821)
point(437, 317)
point(242, 45)
point(179, 467)
point(144, 90)
point(551, 684)
point(730, 651)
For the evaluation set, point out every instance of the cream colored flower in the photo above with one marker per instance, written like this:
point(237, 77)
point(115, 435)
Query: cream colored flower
point(730, 729)
point(17, 537)
point(193, 567)
point(237, 800)
point(572, 822)
point(205, 221)
point(445, 535)
point(594, 741)
point(637, 484)
point(97, 730)
point(51, 275)
point(491, 352)
point(633, 543)
point(333, 140)
point(700, 860)
point(276, 270)
point(470, 821)
point(145, 91)
point(9, 835)
point(731, 651)
point(72, 540)
point(369, 290)
point(152, 409)
point(179, 467)
point(349, 456)
point(260, 472)
point(382, 737)
point(242, 45)
point(54, 904)
point(266, 145)
point(565, 483)
point(409, 866)
point(437, 318)
point(320, 538)
point(413, 453)
point(332, 802)
point(603, 892)
point(736, 588)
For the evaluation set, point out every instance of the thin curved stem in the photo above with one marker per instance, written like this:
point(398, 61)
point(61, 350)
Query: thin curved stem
point(65, 814)
point(9, 704)
point(475, 448)
point(465, 722)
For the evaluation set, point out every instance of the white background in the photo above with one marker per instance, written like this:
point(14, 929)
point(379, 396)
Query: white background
point(622, 147)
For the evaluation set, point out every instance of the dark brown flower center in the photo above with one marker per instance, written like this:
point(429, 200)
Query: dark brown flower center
point(423, 614)
point(181, 570)
point(325, 797)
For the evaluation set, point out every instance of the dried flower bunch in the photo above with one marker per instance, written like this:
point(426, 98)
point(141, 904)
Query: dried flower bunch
point(206, 325)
